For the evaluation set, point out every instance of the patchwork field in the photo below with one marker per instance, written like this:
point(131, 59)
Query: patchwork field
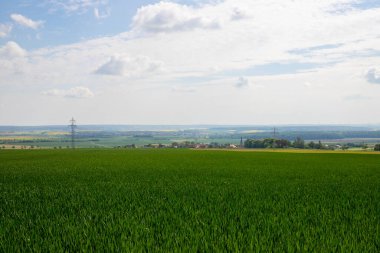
point(167, 200)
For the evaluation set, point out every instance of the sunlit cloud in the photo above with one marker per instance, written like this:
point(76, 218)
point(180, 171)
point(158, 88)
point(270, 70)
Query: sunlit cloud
point(26, 22)
point(171, 17)
point(11, 50)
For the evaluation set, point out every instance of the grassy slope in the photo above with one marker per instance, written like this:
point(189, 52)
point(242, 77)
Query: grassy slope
point(199, 200)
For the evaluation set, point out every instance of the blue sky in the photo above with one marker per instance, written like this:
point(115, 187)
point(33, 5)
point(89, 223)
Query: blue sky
point(84, 57)
point(63, 26)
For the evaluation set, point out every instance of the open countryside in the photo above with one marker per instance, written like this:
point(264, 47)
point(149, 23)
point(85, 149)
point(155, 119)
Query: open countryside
point(328, 137)
point(190, 126)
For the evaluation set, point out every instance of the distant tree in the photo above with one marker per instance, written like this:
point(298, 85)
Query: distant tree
point(250, 143)
point(377, 147)
point(319, 145)
point(282, 143)
point(269, 143)
point(214, 145)
point(311, 145)
point(299, 143)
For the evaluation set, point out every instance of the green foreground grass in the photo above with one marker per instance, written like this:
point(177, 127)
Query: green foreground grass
point(186, 200)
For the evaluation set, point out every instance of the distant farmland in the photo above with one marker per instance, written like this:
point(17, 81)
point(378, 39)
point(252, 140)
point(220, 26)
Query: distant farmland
point(165, 200)
point(111, 136)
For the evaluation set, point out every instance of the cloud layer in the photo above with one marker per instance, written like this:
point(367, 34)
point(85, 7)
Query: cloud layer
point(76, 92)
point(195, 57)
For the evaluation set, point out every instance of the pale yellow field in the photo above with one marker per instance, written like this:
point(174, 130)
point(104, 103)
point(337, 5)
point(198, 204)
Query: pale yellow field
point(252, 131)
point(7, 146)
point(57, 133)
point(300, 151)
point(24, 137)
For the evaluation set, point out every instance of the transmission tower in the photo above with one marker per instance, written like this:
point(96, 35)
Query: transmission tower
point(274, 133)
point(274, 137)
point(72, 126)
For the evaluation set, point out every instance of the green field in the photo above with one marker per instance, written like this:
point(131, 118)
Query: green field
point(170, 200)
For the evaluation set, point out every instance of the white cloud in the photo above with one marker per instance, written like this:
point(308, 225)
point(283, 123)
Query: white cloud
point(27, 22)
point(5, 30)
point(75, 6)
point(242, 82)
point(76, 92)
point(130, 66)
point(373, 75)
point(101, 14)
point(171, 17)
point(12, 50)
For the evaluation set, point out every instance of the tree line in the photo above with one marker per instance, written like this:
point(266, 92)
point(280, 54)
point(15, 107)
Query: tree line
point(283, 143)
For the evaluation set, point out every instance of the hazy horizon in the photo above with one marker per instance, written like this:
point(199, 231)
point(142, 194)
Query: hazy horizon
point(203, 125)
point(190, 62)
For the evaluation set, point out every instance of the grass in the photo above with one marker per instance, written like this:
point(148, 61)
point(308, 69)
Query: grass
point(186, 200)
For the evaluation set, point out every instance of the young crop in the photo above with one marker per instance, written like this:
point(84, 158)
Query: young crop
point(184, 200)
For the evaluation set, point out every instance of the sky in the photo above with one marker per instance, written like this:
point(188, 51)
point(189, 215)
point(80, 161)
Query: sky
point(236, 62)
